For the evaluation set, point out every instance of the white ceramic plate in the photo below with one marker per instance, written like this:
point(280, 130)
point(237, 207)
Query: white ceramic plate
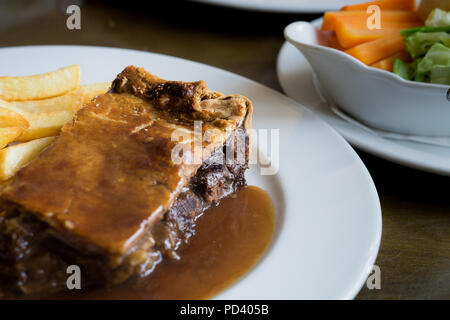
point(285, 6)
point(328, 213)
point(296, 79)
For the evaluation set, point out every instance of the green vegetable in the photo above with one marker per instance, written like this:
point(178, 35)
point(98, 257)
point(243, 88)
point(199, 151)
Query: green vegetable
point(440, 75)
point(421, 77)
point(434, 67)
point(420, 42)
point(404, 70)
point(409, 32)
point(437, 57)
point(438, 18)
point(429, 46)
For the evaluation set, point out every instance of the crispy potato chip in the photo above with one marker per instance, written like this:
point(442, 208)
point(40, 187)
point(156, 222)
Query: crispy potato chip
point(12, 124)
point(45, 124)
point(72, 100)
point(95, 89)
point(13, 158)
point(40, 86)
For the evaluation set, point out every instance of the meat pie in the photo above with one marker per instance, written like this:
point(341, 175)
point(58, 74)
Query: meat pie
point(119, 190)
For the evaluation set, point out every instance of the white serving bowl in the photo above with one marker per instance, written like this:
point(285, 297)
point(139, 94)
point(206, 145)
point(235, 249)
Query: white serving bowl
point(378, 98)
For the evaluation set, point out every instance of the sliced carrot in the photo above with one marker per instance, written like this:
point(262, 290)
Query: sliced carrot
point(388, 63)
point(373, 51)
point(349, 35)
point(334, 43)
point(409, 5)
point(359, 18)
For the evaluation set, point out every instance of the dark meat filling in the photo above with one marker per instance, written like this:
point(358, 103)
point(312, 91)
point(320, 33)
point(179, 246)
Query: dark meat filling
point(34, 262)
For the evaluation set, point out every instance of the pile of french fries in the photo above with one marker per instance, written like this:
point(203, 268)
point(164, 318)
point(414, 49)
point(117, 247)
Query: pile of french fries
point(34, 108)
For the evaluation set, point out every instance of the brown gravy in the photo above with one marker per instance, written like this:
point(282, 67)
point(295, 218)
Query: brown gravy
point(229, 240)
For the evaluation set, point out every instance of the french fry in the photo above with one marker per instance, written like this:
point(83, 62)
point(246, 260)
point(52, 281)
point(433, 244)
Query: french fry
point(45, 124)
point(72, 100)
point(40, 86)
point(93, 90)
point(9, 118)
point(8, 135)
point(7, 105)
point(12, 125)
point(13, 158)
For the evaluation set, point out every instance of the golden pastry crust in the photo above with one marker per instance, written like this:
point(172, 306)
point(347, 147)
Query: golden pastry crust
point(109, 176)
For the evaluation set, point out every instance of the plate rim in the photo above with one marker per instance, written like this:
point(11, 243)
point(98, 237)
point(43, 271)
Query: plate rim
point(376, 208)
point(311, 7)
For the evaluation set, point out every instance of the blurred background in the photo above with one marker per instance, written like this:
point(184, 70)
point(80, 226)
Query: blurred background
point(244, 42)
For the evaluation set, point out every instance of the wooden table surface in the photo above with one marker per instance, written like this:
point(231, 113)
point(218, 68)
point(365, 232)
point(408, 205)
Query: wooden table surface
point(415, 249)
